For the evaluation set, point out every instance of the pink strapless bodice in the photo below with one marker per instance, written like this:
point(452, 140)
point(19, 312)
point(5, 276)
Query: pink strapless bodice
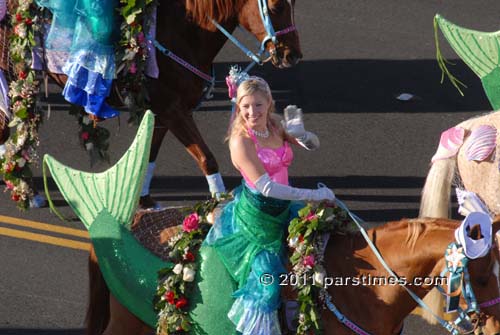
point(275, 161)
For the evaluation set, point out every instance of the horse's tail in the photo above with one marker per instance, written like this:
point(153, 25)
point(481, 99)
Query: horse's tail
point(436, 193)
point(97, 317)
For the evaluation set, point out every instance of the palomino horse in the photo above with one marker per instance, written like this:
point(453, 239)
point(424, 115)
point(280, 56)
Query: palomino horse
point(378, 309)
point(479, 176)
point(184, 27)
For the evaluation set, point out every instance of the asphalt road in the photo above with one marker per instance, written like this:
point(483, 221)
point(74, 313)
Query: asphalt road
point(375, 149)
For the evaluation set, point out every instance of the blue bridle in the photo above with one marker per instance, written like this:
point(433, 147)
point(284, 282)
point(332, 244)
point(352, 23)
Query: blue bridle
point(271, 35)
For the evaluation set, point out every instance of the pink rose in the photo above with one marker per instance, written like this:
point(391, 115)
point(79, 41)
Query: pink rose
point(140, 38)
point(311, 216)
point(25, 155)
point(133, 68)
point(309, 261)
point(9, 185)
point(85, 136)
point(191, 222)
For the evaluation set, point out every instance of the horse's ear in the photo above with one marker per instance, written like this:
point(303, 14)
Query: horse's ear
point(475, 232)
point(496, 224)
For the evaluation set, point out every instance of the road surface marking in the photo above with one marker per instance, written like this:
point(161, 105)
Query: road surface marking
point(45, 239)
point(44, 226)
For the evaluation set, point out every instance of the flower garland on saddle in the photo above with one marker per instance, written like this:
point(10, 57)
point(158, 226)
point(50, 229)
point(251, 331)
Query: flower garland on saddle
point(307, 238)
point(175, 282)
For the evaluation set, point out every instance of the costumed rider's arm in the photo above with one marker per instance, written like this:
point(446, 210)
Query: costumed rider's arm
point(270, 188)
point(294, 126)
point(245, 159)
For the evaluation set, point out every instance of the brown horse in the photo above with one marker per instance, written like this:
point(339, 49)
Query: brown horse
point(183, 26)
point(412, 248)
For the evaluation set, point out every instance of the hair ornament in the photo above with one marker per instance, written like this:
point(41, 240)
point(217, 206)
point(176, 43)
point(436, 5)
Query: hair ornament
point(234, 79)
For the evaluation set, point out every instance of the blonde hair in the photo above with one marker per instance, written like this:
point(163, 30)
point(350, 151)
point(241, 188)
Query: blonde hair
point(251, 86)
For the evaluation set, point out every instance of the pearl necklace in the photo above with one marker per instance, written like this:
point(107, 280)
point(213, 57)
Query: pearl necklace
point(262, 134)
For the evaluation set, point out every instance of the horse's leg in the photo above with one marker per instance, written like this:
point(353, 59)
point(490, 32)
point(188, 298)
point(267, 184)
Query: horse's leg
point(185, 130)
point(122, 322)
point(97, 316)
point(159, 133)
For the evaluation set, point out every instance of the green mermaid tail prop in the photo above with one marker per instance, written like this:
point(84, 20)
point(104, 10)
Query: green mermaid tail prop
point(479, 50)
point(117, 190)
point(105, 203)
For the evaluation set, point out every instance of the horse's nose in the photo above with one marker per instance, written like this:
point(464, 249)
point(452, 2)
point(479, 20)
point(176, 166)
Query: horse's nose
point(292, 58)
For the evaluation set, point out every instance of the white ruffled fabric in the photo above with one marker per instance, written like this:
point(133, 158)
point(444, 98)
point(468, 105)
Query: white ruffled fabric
point(251, 321)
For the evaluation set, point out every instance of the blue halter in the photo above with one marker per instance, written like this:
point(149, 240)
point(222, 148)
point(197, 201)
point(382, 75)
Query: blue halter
point(271, 35)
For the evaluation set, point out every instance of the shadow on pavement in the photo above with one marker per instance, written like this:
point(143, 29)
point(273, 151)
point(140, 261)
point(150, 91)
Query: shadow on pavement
point(365, 86)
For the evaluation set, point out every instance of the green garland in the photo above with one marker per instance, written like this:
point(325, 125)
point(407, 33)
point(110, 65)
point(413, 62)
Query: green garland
point(175, 282)
point(21, 146)
point(306, 239)
point(132, 55)
point(94, 138)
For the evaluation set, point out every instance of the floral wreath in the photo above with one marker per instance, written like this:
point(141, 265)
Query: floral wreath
point(306, 239)
point(176, 281)
point(20, 148)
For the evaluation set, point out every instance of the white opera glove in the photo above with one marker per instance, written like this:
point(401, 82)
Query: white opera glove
point(269, 188)
point(294, 126)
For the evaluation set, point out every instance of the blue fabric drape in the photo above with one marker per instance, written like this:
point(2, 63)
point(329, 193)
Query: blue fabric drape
point(84, 31)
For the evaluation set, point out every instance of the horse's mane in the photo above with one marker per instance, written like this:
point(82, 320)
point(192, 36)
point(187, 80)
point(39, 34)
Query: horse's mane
point(415, 228)
point(201, 11)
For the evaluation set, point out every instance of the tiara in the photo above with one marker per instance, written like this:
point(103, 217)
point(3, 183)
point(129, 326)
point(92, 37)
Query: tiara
point(237, 76)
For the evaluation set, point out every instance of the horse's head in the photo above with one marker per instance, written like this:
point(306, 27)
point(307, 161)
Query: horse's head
point(485, 281)
point(284, 48)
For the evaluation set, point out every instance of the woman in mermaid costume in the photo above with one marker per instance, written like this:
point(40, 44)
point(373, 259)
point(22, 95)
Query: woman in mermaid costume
point(248, 236)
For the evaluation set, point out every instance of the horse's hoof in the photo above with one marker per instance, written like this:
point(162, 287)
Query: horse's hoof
point(147, 202)
point(38, 201)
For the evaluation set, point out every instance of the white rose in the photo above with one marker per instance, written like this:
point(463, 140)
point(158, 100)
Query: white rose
point(21, 162)
point(86, 120)
point(319, 278)
point(89, 146)
point(177, 268)
point(188, 274)
point(292, 243)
